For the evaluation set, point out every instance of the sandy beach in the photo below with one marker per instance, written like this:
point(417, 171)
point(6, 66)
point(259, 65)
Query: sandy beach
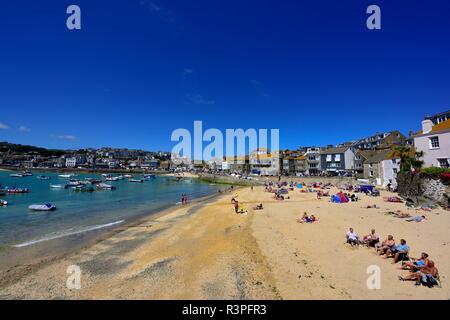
point(206, 251)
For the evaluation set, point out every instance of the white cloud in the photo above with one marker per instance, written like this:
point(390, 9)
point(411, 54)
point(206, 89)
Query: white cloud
point(199, 99)
point(187, 71)
point(67, 137)
point(24, 129)
point(3, 126)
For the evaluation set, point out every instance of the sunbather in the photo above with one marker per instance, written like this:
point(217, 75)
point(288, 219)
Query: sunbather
point(428, 275)
point(352, 237)
point(399, 252)
point(371, 239)
point(388, 244)
point(417, 219)
point(416, 264)
point(258, 207)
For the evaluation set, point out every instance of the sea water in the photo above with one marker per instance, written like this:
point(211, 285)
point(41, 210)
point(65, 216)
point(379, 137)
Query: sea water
point(82, 212)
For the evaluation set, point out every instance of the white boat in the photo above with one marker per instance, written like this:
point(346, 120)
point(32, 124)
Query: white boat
point(16, 175)
point(3, 203)
point(66, 175)
point(137, 180)
point(27, 174)
point(42, 207)
point(42, 177)
point(105, 186)
point(128, 176)
point(112, 179)
point(56, 186)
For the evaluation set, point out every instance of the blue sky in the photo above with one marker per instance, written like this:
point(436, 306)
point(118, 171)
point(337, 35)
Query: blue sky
point(137, 70)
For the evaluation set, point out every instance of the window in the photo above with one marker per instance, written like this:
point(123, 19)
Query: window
point(371, 173)
point(394, 170)
point(443, 163)
point(434, 142)
point(337, 158)
point(328, 157)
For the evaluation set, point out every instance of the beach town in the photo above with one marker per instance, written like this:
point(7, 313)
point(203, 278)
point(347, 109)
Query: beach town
point(311, 223)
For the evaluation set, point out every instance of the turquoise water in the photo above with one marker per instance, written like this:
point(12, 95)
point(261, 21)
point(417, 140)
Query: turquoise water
point(79, 212)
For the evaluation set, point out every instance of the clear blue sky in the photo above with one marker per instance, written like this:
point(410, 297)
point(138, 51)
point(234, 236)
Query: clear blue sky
point(139, 69)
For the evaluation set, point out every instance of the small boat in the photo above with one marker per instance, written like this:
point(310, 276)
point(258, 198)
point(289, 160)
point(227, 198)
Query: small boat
point(149, 176)
point(112, 179)
point(74, 183)
point(82, 188)
point(56, 186)
point(137, 180)
point(3, 203)
point(105, 186)
point(106, 175)
point(128, 176)
point(42, 207)
point(70, 175)
point(41, 177)
point(16, 190)
point(16, 175)
point(27, 174)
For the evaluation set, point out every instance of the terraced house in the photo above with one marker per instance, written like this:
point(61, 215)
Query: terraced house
point(434, 141)
point(337, 160)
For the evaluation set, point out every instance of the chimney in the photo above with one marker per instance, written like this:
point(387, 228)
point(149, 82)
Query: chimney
point(427, 125)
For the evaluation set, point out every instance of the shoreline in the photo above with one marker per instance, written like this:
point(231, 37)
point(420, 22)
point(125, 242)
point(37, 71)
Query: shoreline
point(206, 251)
point(39, 253)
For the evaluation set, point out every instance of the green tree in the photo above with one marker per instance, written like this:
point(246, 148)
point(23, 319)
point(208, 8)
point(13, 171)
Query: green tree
point(409, 158)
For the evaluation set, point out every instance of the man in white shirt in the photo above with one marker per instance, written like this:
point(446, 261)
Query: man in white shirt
point(352, 237)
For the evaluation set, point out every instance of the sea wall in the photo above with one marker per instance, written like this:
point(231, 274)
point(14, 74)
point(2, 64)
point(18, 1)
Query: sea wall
point(262, 180)
point(422, 191)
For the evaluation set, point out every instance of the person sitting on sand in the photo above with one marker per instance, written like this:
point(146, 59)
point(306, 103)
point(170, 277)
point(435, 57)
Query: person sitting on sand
point(258, 207)
point(236, 206)
point(352, 237)
point(417, 219)
point(400, 252)
point(303, 218)
point(313, 219)
point(428, 275)
point(416, 263)
point(371, 239)
point(388, 244)
point(374, 206)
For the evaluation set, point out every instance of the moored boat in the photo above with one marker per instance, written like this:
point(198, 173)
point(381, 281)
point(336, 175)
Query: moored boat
point(12, 190)
point(27, 174)
point(16, 175)
point(3, 203)
point(69, 175)
point(137, 180)
point(42, 207)
point(112, 179)
point(42, 177)
point(56, 186)
point(105, 186)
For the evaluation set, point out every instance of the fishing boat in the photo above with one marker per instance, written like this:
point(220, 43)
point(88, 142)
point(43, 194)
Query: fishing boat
point(3, 203)
point(56, 186)
point(42, 207)
point(42, 177)
point(137, 180)
point(16, 175)
point(105, 186)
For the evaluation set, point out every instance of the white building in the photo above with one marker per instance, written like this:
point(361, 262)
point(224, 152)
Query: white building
point(71, 162)
point(434, 141)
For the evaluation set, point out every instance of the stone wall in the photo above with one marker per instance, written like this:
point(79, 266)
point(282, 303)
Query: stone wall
point(261, 180)
point(422, 191)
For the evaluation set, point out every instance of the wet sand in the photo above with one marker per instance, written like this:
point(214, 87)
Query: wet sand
point(206, 251)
